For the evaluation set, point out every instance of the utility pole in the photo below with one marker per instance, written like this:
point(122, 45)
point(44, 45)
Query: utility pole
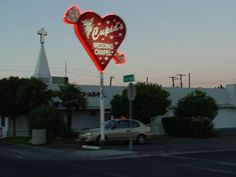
point(173, 80)
point(180, 78)
point(111, 77)
point(189, 80)
point(147, 80)
point(66, 69)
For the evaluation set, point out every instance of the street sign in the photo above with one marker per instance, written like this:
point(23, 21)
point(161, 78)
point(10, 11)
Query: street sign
point(128, 78)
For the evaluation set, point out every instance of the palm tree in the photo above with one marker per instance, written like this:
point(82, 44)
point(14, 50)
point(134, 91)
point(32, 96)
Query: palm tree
point(72, 98)
point(33, 93)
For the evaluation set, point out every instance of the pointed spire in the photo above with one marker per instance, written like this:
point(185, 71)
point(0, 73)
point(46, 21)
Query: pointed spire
point(42, 71)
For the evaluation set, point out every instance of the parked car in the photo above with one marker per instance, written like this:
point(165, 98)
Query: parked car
point(118, 130)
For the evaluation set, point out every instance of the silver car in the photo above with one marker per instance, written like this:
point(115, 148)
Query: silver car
point(118, 130)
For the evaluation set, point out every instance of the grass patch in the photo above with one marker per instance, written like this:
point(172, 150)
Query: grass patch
point(16, 140)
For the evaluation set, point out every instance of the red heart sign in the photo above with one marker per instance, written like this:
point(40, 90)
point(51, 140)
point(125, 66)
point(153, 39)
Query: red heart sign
point(101, 37)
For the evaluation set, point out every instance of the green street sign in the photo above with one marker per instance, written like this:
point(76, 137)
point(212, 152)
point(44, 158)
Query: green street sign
point(128, 78)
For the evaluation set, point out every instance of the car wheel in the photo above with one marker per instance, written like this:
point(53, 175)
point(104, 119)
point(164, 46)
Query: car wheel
point(141, 139)
point(99, 142)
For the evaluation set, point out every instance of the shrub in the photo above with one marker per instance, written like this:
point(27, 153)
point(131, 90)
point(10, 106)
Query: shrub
point(171, 126)
point(197, 103)
point(47, 117)
point(199, 127)
point(194, 116)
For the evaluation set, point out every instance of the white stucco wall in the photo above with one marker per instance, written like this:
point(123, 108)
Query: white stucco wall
point(22, 126)
point(226, 118)
point(81, 120)
point(225, 98)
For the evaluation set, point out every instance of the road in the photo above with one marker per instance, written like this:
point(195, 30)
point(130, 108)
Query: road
point(217, 164)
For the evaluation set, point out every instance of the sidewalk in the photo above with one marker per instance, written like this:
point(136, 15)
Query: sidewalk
point(162, 145)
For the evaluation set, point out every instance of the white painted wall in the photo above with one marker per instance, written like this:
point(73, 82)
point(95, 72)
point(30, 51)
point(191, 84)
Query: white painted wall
point(22, 126)
point(4, 128)
point(226, 118)
point(225, 98)
point(82, 120)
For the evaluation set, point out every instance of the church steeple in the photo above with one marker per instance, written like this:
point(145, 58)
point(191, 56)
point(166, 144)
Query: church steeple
point(42, 71)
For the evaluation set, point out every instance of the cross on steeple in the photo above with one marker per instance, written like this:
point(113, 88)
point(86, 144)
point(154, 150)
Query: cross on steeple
point(42, 34)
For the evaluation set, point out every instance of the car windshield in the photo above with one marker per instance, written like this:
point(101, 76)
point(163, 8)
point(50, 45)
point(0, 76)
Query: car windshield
point(109, 124)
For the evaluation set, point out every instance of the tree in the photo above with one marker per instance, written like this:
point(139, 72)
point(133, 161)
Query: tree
point(19, 96)
point(151, 100)
point(120, 105)
point(9, 106)
point(196, 104)
point(72, 98)
point(32, 93)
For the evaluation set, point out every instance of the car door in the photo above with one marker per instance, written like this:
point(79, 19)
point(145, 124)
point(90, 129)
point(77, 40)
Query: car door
point(123, 130)
point(120, 131)
point(135, 129)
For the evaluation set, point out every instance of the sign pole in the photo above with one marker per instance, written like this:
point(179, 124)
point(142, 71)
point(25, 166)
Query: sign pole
point(131, 94)
point(130, 119)
point(102, 137)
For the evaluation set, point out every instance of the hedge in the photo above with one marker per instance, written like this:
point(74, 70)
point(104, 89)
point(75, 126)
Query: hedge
point(199, 127)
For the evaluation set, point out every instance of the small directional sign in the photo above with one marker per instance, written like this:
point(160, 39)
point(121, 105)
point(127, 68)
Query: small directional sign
point(128, 78)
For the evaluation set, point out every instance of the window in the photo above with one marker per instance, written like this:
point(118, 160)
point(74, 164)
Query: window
point(2, 121)
point(135, 124)
point(123, 124)
point(109, 124)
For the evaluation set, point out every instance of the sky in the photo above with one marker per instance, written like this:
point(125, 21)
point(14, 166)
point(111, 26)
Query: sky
point(164, 38)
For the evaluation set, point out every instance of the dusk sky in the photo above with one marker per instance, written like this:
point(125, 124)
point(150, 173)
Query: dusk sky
point(164, 38)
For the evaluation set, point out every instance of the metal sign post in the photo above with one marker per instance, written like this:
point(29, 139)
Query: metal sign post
point(130, 123)
point(102, 137)
point(131, 93)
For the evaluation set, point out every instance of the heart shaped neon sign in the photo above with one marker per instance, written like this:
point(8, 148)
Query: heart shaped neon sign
point(100, 36)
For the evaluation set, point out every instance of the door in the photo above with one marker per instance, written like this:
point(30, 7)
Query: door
point(119, 132)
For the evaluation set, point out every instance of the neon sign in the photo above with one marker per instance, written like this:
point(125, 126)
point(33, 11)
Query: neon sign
point(100, 36)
